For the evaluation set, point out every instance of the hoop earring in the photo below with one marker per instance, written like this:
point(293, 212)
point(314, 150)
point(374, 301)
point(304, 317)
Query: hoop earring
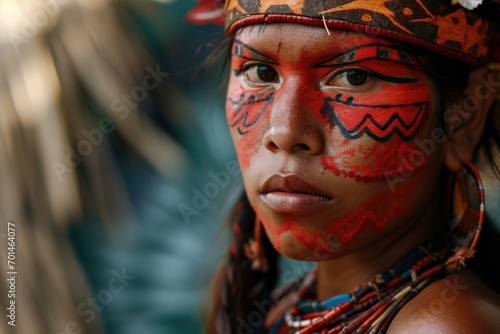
point(467, 209)
point(254, 250)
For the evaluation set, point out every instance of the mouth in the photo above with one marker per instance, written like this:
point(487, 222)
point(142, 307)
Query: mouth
point(289, 193)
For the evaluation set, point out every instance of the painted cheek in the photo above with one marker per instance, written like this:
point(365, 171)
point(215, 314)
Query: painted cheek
point(244, 111)
point(273, 231)
point(391, 109)
point(377, 212)
point(390, 126)
point(246, 148)
point(309, 238)
point(378, 163)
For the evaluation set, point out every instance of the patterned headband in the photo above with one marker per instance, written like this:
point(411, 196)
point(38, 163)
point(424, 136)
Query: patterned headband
point(435, 25)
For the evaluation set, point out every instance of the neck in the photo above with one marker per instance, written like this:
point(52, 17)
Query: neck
point(343, 274)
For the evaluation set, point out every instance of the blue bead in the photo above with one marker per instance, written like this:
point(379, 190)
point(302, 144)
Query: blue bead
point(336, 300)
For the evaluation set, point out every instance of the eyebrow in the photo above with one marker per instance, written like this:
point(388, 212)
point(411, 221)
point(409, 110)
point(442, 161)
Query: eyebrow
point(368, 52)
point(245, 51)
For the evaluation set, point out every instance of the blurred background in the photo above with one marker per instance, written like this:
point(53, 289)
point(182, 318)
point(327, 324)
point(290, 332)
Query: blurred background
point(116, 166)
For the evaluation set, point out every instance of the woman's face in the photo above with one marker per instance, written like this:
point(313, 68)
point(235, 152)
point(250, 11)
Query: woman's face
point(329, 132)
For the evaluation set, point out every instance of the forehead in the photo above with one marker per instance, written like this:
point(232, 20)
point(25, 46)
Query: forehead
point(292, 42)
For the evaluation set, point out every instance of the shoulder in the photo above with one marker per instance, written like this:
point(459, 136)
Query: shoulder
point(458, 303)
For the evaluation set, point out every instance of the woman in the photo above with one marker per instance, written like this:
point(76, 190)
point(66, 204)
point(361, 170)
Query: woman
point(355, 124)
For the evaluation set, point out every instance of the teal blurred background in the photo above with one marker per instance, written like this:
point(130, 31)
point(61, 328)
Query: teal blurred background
point(171, 251)
point(117, 164)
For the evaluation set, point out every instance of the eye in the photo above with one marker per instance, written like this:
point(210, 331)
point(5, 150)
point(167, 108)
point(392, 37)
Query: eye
point(356, 78)
point(261, 73)
point(351, 78)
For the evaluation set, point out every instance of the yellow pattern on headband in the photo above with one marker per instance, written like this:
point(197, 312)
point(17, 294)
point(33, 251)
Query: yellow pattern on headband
point(433, 24)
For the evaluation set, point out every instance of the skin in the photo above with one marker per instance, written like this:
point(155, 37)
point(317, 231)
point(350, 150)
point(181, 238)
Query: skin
point(459, 303)
point(350, 141)
point(343, 113)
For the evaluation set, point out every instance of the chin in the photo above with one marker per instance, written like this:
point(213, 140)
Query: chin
point(288, 245)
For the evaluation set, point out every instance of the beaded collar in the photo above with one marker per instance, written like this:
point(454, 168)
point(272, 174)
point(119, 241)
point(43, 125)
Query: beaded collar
point(370, 307)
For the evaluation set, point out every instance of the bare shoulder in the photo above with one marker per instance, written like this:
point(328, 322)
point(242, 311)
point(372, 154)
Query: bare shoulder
point(459, 303)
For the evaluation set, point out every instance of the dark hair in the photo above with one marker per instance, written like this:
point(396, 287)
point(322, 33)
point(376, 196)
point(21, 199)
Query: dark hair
point(245, 292)
point(239, 293)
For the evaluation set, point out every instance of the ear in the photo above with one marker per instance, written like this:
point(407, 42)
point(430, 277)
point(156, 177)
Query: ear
point(469, 113)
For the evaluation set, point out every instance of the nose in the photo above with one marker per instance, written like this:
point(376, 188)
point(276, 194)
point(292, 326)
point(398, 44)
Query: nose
point(294, 124)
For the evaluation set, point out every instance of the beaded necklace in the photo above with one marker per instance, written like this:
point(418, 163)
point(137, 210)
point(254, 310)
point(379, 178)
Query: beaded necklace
point(370, 307)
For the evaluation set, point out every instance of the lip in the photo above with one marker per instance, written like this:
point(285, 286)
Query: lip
point(289, 193)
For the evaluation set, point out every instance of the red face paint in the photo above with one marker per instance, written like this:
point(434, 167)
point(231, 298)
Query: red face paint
point(398, 105)
point(366, 128)
point(245, 51)
point(376, 213)
point(242, 114)
point(377, 163)
point(392, 114)
point(244, 108)
point(378, 121)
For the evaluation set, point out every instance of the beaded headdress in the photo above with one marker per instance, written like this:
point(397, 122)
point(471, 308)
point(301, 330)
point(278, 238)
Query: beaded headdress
point(436, 25)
